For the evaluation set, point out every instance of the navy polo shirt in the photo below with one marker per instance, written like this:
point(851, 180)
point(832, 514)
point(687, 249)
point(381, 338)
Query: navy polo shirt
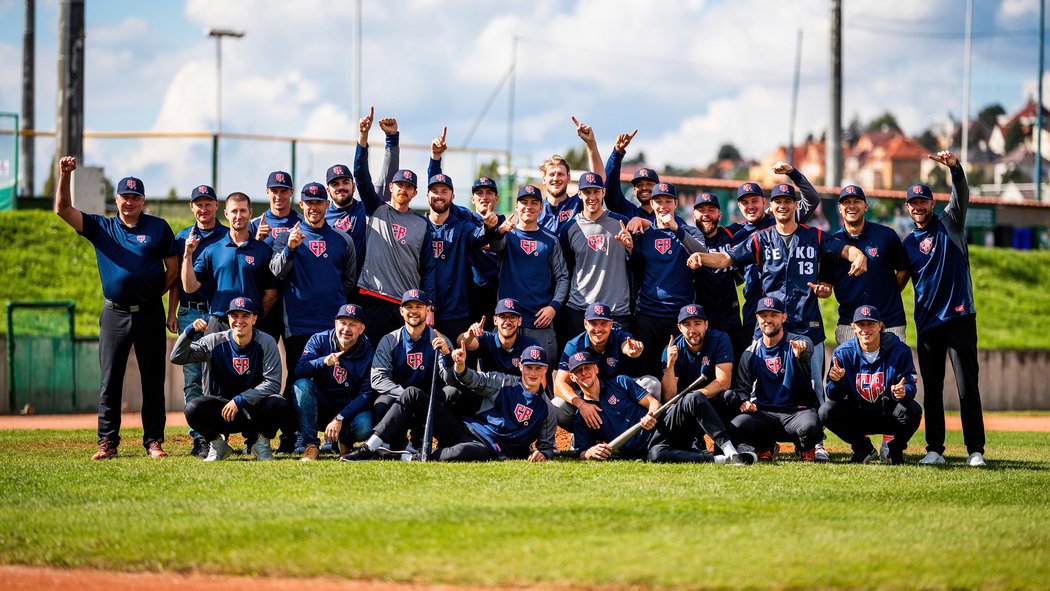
point(130, 259)
point(689, 366)
point(493, 357)
point(228, 271)
point(878, 286)
point(207, 238)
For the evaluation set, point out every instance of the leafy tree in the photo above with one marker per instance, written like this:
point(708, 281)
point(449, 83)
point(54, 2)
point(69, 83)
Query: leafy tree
point(577, 159)
point(489, 169)
point(929, 141)
point(1016, 175)
point(639, 158)
point(990, 114)
point(885, 120)
point(728, 152)
point(937, 180)
point(1014, 136)
point(172, 194)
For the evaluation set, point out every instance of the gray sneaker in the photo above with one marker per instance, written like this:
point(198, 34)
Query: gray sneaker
point(884, 451)
point(932, 459)
point(820, 454)
point(976, 460)
point(218, 450)
point(261, 450)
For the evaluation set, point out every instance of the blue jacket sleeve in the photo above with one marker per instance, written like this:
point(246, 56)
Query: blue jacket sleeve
point(312, 359)
point(369, 197)
point(391, 162)
point(810, 198)
point(615, 201)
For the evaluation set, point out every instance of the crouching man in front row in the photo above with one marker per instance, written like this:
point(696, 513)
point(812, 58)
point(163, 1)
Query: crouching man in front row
point(514, 413)
point(242, 382)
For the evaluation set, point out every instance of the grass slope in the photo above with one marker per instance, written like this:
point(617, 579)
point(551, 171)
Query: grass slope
point(43, 259)
point(564, 523)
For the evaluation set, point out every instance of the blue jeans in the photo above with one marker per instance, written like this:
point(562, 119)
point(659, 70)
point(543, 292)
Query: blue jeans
point(314, 407)
point(816, 368)
point(192, 373)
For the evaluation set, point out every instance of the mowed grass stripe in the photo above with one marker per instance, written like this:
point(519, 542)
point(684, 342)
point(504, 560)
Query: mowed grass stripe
point(562, 523)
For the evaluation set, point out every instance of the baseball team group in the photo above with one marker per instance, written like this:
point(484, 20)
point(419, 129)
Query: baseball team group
point(615, 320)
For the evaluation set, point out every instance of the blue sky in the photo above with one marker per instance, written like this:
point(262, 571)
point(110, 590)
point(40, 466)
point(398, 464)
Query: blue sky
point(689, 74)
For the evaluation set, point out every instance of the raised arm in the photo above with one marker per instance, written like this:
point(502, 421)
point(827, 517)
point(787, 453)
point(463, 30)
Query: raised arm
point(369, 195)
point(63, 199)
point(391, 157)
point(960, 199)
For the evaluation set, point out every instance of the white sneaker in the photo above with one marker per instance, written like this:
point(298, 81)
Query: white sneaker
point(261, 450)
point(218, 450)
point(884, 451)
point(820, 454)
point(932, 459)
point(976, 460)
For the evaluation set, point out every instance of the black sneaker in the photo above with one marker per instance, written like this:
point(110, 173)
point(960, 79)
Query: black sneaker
point(200, 448)
point(361, 454)
point(287, 445)
point(895, 458)
point(864, 455)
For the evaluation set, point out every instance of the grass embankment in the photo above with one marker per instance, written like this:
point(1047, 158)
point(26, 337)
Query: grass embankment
point(43, 259)
point(560, 524)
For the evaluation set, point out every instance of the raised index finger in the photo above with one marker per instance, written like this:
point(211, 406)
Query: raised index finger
point(633, 133)
point(577, 123)
point(623, 228)
point(371, 112)
point(444, 132)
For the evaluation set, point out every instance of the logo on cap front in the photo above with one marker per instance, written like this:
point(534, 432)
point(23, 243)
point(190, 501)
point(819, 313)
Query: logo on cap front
point(535, 353)
point(643, 172)
point(851, 189)
point(413, 293)
point(590, 178)
point(131, 184)
point(408, 174)
point(599, 309)
point(509, 304)
point(530, 189)
point(441, 177)
point(279, 177)
point(767, 302)
point(578, 356)
point(865, 311)
point(916, 189)
point(748, 187)
point(313, 189)
point(484, 179)
point(691, 309)
point(783, 187)
point(337, 169)
point(239, 302)
point(202, 189)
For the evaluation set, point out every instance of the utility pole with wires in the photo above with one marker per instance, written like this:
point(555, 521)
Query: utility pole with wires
point(967, 44)
point(794, 100)
point(833, 143)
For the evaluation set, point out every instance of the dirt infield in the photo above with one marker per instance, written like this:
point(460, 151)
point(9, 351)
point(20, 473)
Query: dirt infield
point(31, 578)
point(992, 422)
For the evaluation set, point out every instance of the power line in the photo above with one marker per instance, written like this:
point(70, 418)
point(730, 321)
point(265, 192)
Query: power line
point(942, 34)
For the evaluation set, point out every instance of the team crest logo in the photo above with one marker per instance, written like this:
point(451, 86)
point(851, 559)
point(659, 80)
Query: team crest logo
point(851, 190)
point(960, 308)
point(535, 354)
point(515, 362)
point(870, 385)
point(564, 215)
point(784, 188)
point(662, 245)
point(317, 247)
point(313, 189)
point(249, 259)
point(202, 189)
point(238, 302)
point(339, 373)
point(408, 174)
point(276, 231)
point(439, 247)
point(873, 251)
point(613, 400)
point(610, 361)
point(598, 309)
point(767, 302)
point(748, 187)
point(442, 178)
point(706, 360)
point(926, 246)
point(529, 246)
point(530, 189)
point(399, 231)
point(865, 311)
point(485, 180)
point(132, 184)
point(279, 177)
point(578, 356)
point(773, 364)
point(590, 178)
point(916, 190)
point(643, 172)
point(597, 242)
point(662, 187)
point(691, 310)
point(522, 413)
point(240, 365)
point(415, 360)
point(337, 169)
point(344, 224)
point(142, 239)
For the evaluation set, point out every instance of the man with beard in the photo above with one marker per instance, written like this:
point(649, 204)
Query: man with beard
point(399, 254)
point(773, 391)
point(319, 267)
point(559, 208)
point(242, 378)
point(333, 384)
point(644, 180)
point(871, 389)
point(184, 308)
point(500, 349)
point(699, 351)
point(596, 245)
point(532, 269)
point(945, 317)
point(347, 214)
point(715, 289)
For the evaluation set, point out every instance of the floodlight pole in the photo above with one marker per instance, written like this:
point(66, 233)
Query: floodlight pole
point(218, 34)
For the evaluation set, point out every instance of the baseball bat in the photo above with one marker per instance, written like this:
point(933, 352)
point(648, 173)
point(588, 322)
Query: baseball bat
point(428, 427)
point(633, 430)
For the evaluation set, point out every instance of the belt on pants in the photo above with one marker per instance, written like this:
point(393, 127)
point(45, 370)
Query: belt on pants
point(198, 306)
point(122, 308)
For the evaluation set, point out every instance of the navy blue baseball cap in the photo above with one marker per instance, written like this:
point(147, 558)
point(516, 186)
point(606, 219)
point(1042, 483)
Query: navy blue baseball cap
point(749, 189)
point(404, 176)
point(645, 174)
point(351, 311)
point(664, 189)
point(203, 191)
point(598, 311)
point(241, 304)
point(484, 183)
point(415, 295)
point(919, 191)
point(852, 191)
point(130, 185)
point(691, 311)
point(440, 179)
point(313, 192)
point(279, 178)
point(530, 191)
point(533, 355)
point(707, 199)
point(783, 190)
point(870, 313)
point(338, 171)
point(770, 304)
point(507, 306)
point(581, 358)
point(591, 180)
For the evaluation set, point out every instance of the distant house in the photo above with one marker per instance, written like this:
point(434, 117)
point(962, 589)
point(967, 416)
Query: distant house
point(884, 159)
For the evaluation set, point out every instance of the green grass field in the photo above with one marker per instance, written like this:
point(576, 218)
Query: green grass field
point(555, 525)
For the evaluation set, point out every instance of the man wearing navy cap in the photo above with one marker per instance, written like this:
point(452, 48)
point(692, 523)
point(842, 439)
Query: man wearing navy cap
point(643, 182)
point(318, 266)
point(278, 219)
point(623, 403)
point(333, 384)
point(699, 350)
point(399, 253)
point(184, 308)
point(871, 389)
point(242, 382)
point(945, 317)
point(137, 263)
point(500, 349)
point(532, 269)
point(514, 414)
point(715, 289)
point(347, 214)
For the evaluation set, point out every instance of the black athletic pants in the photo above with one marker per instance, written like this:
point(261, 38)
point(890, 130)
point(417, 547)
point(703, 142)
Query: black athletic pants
point(204, 415)
point(853, 424)
point(381, 317)
point(653, 332)
point(688, 420)
point(761, 429)
point(120, 329)
point(956, 339)
point(455, 442)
